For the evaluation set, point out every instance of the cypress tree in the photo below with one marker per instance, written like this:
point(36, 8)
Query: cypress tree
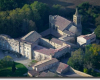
point(13, 67)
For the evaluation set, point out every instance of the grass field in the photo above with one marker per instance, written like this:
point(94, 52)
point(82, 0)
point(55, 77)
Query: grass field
point(68, 3)
point(7, 72)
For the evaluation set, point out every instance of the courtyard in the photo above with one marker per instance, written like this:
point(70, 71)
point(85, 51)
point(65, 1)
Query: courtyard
point(25, 61)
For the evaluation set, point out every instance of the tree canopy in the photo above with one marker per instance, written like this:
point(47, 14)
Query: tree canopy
point(20, 21)
point(11, 4)
point(90, 16)
point(97, 31)
point(88, 59)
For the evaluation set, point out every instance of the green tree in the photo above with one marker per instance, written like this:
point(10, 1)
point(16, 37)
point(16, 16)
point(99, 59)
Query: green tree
point(13, 67)
point(11, 4)
point(97, 20)
point(85, 70)
point(97, 31)
point(76, 59)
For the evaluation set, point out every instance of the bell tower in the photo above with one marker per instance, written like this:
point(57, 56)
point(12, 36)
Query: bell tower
point(77, 22)
point(77, 18)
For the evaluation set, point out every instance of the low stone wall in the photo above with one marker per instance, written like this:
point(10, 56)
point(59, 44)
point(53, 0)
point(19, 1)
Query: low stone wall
point(79, 73)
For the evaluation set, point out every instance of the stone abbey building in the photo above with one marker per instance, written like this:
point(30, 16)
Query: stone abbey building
point(34, 46)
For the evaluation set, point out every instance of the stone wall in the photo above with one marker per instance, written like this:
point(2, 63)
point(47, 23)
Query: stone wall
point(40, 56)
point(7, 43)
point(62, 52)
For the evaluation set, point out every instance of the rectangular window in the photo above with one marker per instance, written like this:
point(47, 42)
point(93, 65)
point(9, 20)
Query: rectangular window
point(15, 49)
point(20, 51)
point(27, 53)
point(27, 48)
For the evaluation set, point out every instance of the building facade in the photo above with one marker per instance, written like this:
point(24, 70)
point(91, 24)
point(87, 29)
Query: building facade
point(33, 46)
point(86, 39)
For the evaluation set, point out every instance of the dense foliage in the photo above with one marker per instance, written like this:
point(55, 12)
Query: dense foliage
point(11, 4)
point(97, 31)
point(13, 67)
point(6, 62)
point(90, 16)
point(86, 60)
point(20, 21)
point(8, 68)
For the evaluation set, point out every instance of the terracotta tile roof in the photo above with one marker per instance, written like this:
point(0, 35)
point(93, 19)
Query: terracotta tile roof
point(33, 72)
point(61, 22)
point(82, 36)
point(68, 32)
point(53, 60)
point(73, 29)
point(27, 42)
point(43, 74)
point(63, 47)
point(47, 74)
point(40, 62)
point(44, 50)
point(61, 67)
point(57, 41)
point(68, 38)
point(89, 36)
point(31, 36)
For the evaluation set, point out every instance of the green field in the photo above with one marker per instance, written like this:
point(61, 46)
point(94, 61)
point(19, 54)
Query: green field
point(7, 72)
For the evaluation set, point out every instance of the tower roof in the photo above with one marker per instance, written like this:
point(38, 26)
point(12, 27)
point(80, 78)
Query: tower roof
point(76, 13)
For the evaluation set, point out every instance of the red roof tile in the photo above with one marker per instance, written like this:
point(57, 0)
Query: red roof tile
point(90, 36)
point(61, 22)
point(43, 74)
point(57, 41)
point(44, 50)
point(53, 60)
point(61, 67)
point(33, 72)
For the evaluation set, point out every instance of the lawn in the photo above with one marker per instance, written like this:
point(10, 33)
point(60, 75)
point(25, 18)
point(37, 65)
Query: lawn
point(7, 72)
point(34, 61)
